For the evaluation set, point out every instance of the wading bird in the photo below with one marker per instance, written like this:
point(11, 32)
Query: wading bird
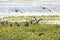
point(6, 22)
point(26, 23)
point(18, 11)
point(46, 8)
point(11, 25)
point(2, 22)
point(37, 21)
point(16, 24)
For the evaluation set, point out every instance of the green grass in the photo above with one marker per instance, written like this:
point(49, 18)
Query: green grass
point(40, 31)
point(50, 32)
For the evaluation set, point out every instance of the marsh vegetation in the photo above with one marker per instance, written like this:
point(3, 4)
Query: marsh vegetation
point(27, 28)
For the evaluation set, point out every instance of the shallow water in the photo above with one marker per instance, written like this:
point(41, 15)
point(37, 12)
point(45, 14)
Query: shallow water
point(29, 14)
